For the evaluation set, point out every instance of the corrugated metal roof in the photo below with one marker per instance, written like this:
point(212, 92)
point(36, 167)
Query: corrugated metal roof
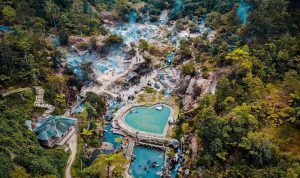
point(54, 126)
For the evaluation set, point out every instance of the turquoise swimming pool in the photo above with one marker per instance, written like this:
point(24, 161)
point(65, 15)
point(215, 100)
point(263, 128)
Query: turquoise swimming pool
point(147, 164)
point(110, 137)
point(148, 119)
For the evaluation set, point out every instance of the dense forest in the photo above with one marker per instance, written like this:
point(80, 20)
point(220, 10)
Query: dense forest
point(250, 126)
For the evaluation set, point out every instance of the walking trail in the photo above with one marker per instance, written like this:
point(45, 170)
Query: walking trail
point(39, 102)
point(73, 148)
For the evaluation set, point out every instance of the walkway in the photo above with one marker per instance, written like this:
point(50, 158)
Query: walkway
point(39, 102)
point(73, 130)
point(73, 148)
point(129, 148)
point(19, 90)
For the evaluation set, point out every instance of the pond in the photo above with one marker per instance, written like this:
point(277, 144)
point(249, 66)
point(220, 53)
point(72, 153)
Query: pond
point(102, 68)
point(149, 119)
point(5, 28)
point(110, 137)
point(242, 11)
point(148, 163)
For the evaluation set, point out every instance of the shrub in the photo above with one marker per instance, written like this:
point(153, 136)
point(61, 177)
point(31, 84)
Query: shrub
point(112, 40)
point(189, 68)
point(149, 90)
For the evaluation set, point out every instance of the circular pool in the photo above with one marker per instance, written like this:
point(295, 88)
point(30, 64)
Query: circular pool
point(153, 119)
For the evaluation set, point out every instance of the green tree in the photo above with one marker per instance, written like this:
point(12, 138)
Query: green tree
point(20, 172)
point(39, 24)
point(91, 111)
point(143, 45)
point(259, 147)
point(224, 90)
point(97, 102)
point(49, 176)
point(185, 50)
point(86, 7)
point(56, 83)
point(86, 133)
point(6, 166)
point(53, 13)
point(189, 68)
point(254, 86)
point(60, 100)
point(121, 8)
point(93, 43)
point(240, 121)
point(104, 165)
point(294, 171)
point(185, 127)
point(112, 40)
point(237, 54)
point(64, 21)
point(25, 45)
point(87, 71)
point(9, 14)
point(210, 126)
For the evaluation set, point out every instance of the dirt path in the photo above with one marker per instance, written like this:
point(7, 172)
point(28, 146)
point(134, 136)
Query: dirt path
point(194, 146)
point(73, 148)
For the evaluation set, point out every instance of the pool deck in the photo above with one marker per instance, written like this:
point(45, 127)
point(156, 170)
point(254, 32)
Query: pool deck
point(119, 122)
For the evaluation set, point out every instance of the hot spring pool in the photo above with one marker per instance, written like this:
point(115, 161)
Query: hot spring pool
point(148, 162)
point(148, 119)
point(110, 137)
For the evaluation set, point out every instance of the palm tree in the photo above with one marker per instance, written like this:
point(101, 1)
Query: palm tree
point(86, 133)
point(103, 164)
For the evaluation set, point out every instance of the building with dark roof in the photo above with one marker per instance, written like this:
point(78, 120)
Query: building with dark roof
point(55, 130)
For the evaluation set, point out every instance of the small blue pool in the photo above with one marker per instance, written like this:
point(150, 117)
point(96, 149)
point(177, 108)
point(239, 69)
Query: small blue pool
point(101, 67)
point(110, 137)
point(4, 28)
point(170, 57)
point(243, 11)
point(149, 119)
point(167, 93)
point(148, 163)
